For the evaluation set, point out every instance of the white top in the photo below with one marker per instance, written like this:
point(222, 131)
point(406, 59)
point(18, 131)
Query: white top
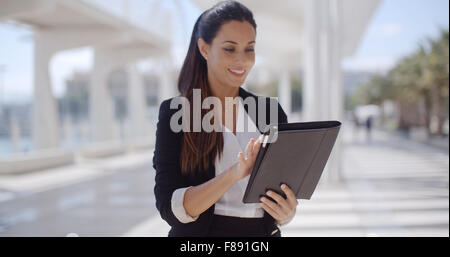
point(230, 204)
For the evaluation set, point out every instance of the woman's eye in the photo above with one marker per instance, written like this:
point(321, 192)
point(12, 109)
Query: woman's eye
point(232, 50)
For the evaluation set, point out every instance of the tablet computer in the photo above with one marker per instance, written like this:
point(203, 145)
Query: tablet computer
point(297, 158)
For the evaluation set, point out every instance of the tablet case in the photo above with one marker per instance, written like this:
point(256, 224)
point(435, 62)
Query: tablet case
point(297, 158)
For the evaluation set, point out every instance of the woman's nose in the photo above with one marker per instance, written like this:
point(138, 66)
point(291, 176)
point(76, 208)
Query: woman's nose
point(242, 59)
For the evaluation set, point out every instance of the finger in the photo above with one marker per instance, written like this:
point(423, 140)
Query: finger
point(292, 199)
point(275, 207)
point(241, 158)
point(259, 137)
point(270, 211)
point(285, 206)
point(248, 149)
point(257, 144)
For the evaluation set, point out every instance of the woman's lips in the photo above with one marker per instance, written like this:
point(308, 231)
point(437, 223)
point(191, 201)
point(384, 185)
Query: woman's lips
point(237, 72)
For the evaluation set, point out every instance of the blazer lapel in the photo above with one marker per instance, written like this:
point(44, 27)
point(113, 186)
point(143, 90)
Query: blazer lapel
point(254, 116)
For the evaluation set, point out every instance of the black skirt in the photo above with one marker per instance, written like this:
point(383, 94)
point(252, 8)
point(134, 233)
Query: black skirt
point(228, 226)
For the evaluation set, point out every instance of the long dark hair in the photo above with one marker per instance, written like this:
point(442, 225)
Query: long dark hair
point(200, 148)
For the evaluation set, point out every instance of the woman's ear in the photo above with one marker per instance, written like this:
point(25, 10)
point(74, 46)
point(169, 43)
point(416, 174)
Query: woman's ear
point(203, 47)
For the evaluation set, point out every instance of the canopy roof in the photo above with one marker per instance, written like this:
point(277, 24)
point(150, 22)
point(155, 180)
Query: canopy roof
point(281, 27)
point(77, 15)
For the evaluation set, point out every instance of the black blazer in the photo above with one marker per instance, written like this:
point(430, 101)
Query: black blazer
point(168, 178)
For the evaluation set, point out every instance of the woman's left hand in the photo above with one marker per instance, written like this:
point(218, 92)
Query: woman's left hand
point(283, 210)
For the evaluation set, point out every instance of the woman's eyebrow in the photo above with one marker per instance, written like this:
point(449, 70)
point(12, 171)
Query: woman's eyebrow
point(232, 42)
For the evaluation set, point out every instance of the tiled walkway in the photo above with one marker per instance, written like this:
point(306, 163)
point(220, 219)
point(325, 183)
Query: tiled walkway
point(392, 187)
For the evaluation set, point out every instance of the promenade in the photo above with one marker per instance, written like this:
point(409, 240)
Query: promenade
point(391, 187)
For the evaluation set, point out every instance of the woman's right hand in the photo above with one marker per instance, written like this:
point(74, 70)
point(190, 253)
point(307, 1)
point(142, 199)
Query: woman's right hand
point(244, 166)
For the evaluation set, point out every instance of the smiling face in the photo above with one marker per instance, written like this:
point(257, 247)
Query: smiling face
point(231, 54)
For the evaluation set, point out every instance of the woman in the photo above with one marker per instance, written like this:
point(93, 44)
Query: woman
point(201, 176)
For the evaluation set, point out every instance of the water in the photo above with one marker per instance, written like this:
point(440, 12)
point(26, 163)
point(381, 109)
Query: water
point(6, 146)
point(75, 142)
point(26, 144)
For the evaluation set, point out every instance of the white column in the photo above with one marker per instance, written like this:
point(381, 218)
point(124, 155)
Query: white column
point(68, 132)
point(14, 129)
point(167, 84)
point(136, 103)
point(45, 112)
point(48, 41)
point(336, 90)
point(311, 87)
point(325, 50)
point(83, 128)
point(106, 58)
point(101, 109)
point(323, 93)
point(285, 93)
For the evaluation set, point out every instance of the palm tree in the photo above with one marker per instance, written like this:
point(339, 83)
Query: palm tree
point(438, 67)
point(419, 84)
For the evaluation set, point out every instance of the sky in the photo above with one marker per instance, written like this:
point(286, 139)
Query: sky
point(394, 31)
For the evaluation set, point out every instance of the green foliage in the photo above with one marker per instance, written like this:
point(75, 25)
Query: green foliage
point(422, 77)
point(413, 76)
